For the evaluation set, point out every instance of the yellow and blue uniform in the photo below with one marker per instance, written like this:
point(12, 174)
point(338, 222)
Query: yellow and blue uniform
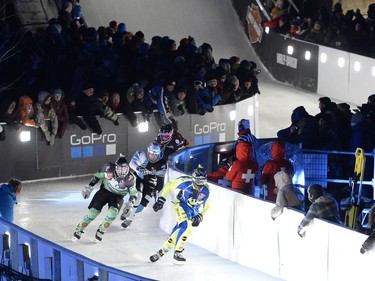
point(188, 203)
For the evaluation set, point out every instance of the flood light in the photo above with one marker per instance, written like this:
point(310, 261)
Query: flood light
point(290, 50)
point(323, 58)
point(357, 66)
point(307, 55)
point(232, 115)
point(143, 127)
point(341, 62)
point(25, 136)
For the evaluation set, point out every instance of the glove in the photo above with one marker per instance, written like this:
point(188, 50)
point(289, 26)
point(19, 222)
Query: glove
point(195, 221)
point(116, 123)
point(159, 204)
point(132, 200)
point(301, 231)
point(86, 191)
point(128, 211)
point(142, 170)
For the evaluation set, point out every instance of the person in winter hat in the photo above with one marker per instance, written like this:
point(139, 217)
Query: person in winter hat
point(8, 198)
point(274, 165)
point(60, 106)
point(26, 111)
point(323, 206)
point(287, 194)
point(243, 170)
point(45, 111)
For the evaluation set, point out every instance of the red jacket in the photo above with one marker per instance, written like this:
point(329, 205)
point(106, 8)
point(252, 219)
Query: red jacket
point(243, 170)
point(271, 167)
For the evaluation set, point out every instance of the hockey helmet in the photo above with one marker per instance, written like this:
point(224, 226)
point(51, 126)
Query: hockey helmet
point(122, 166)
point(244, 124)
point(154, 152)
point(199, 178)
point(314, 191)
point(165, 133)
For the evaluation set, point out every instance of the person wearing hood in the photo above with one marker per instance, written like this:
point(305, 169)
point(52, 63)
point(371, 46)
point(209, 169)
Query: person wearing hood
point(274, 165)
point(61, 109)
point(243, 170)
point(44, 111)
point(8, 198)
point(26, 112)
point(287, 194)
point(208, 97)
point(323, 206)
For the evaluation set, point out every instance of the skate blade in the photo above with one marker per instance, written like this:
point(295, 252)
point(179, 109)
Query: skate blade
point(74, 239)
point(179, 262)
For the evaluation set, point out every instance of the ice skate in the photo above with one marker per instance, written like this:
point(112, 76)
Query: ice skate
point(98, 235)
point(363, 250)
point(157, 256)
point(179, 258)
point(126, 223)
point(77, 235)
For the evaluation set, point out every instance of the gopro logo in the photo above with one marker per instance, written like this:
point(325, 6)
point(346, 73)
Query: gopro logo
point(213, 127)
point(92, 139)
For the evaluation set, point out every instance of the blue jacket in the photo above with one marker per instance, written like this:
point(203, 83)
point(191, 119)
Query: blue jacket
point(7, 201)
point(207, 98)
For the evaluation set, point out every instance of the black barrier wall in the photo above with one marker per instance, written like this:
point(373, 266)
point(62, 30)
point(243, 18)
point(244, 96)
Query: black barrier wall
point(296, 68)
point(83, 152)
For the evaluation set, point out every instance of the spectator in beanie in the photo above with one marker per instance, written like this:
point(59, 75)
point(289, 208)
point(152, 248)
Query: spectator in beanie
point(44, 111)
point(61, 109)
point(271, 167)
point(177, 101)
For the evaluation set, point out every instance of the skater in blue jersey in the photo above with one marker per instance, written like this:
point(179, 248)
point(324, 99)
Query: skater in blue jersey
point(191, 203)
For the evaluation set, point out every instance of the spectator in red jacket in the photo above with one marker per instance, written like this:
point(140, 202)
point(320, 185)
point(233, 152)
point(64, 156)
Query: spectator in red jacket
point(271, 167)
point(243, 170)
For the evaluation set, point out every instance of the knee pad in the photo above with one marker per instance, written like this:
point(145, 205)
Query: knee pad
point(112, 213)
point(93, 213)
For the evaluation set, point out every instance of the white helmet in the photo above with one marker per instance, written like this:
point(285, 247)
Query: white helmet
point(154, 152)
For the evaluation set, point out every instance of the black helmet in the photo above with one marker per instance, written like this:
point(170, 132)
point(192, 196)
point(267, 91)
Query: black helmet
point(199, 177)
point(314, 191)
point(122, 166)
point(165, 133)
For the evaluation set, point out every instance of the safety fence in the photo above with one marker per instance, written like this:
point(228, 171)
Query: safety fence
point(30, 257)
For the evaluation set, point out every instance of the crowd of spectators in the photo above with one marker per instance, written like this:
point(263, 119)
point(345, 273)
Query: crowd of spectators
point(107, 70)
point(335, 127)
point(349, 31)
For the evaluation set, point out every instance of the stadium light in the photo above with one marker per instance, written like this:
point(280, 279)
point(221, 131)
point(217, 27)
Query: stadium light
point(143, 127)
point(357, 66)
point(25, 136)
point(341, 62)
point(323, 58)
point(232, 115)
point(307, 55)
point(290, 50)
point(267, 30)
